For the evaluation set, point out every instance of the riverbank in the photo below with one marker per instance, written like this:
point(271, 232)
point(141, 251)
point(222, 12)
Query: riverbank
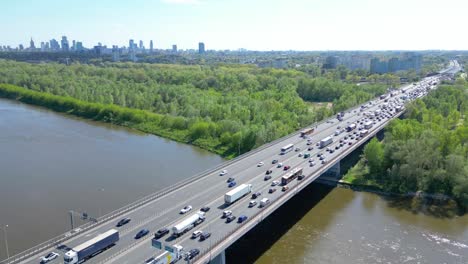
point(439, 205)
point(140, 120)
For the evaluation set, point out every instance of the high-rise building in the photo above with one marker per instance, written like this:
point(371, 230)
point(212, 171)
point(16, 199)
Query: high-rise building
point(141, 45)
point(47, 47)
point(65, 45)
point(79, 46)
point(31, 45)
point(131, 44)
point(201, 47)
point(21, 47)
point(174, 48)
point(115, 53)
point(43, 46)
point(73, 48)
point(54, 45)
point(151, 46)
point(330, 62)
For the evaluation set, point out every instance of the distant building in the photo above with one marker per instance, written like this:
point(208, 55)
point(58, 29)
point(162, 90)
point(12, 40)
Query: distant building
point(115, 53)
point(408, 61)
point(79, 46)
point(131, 44)
point(141, 45)
point(73, 48)
point(174, 48)
point(54, 45)
point(43, 46)
point(330, 62)
point(21, 47)
point(31, 45)
point(151, 46)
point(65, 45)
point(201, 47)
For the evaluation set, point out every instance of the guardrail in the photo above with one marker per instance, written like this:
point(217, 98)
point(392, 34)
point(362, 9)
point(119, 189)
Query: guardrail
point(119, 212)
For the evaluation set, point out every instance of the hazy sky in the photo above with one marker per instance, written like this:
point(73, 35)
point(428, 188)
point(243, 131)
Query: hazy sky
point(250, 24)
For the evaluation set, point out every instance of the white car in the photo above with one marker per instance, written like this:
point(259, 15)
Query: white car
point(196, 234)
point(280, 165)
point(49, 257)
point(274, 183)
point(186, 209)
point(260, 164)
point(252, 203)
point(223, 172)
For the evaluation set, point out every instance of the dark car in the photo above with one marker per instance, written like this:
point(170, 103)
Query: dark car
point(123, 222)
point(267, 177)
point(274, 161)
point(287, 167)
point(205, 209)
point(268, 172)
point(272, 190)
point(192, 253)
point(241, 219)
point(230, 179)
point(255, 195)
point(161, 232)
point(141, 233)
point(205, 235)
point(232, 184)
point(230, 218)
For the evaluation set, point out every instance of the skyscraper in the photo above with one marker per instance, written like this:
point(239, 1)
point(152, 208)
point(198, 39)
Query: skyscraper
point(31, 45)
point(54, 45)
point(141, 45)
point(151, 46)
point(131, 44)
point(174, 48)
point(65, 45)
point(201, 47)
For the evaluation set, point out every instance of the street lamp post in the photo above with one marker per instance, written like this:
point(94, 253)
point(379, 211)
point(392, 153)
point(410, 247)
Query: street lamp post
point(6, 240)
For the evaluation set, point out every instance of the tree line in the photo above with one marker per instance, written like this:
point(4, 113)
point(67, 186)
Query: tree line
point(229, 109)
point(428, 150)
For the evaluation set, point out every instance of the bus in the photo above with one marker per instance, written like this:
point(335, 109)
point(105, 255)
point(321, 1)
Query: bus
point(291, 176)
point(307, 131)
point(286, 149)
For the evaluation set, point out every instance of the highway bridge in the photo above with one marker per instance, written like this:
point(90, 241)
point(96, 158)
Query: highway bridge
point(162, 209)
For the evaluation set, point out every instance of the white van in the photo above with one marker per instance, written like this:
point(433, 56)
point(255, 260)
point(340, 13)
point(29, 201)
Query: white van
point(264, 202)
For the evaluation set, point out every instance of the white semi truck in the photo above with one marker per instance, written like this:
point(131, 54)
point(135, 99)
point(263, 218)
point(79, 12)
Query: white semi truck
point(170, 255)
point(325, 142)
point(237, 193)
point(91, 247)
point(188, 223)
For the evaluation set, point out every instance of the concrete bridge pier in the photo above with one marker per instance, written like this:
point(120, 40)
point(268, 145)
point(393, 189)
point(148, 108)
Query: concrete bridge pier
point(334, 171)
point(220, 259)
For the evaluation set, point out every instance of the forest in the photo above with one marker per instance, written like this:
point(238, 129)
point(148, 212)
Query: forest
point(427, 150)
point(228, 109)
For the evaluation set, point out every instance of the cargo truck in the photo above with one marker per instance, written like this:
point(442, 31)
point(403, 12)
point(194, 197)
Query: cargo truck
point(307, 131)
point(188, 223)
point(91, 247)
point(237, 193)
point(368, 125)
point(350, 127)
point(171, 253)
point(325, 142)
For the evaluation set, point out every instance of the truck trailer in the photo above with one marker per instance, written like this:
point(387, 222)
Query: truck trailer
point(91, 247)
point(237, 193)
point(325, 142)
point(188, 223)
point(170, 255)
point(350, 127)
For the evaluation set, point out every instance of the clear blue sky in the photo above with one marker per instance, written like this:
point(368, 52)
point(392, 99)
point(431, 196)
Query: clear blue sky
point(250, 24)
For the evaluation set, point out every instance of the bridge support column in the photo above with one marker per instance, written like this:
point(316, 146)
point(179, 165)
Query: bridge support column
point(334, 171)
point(220, 259)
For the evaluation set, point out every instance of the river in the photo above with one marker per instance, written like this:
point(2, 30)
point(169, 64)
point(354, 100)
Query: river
point(51, 163)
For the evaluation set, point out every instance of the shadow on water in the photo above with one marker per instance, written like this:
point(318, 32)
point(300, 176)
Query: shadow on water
point(258, 240)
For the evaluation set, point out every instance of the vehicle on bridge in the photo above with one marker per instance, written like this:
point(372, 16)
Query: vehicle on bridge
point(325, 142)
point(49, 257)
point(264, 202)
point(307, 131)
point(171, 253)
point(91, 247)
point(287, 148)
point(237, 193)
point(187, 224)
point(291, 176)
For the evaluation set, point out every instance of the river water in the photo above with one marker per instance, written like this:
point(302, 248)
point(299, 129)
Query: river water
point(50, 164)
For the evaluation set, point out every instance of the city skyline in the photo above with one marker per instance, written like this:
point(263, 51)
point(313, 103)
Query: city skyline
point(261, 25)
